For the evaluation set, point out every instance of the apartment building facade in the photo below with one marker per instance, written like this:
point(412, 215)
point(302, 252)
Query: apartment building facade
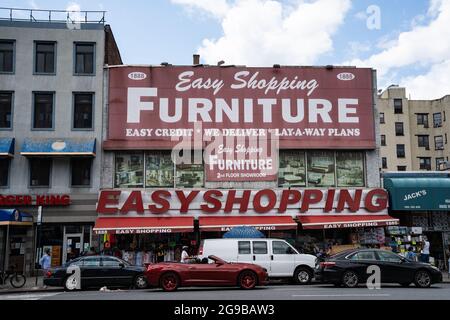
point(414, 133)
point(51, 101)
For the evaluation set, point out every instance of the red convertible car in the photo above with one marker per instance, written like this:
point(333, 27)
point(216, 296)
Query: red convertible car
point(172, 275)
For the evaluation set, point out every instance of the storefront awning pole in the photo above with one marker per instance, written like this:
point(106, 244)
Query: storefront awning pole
point(5, 267)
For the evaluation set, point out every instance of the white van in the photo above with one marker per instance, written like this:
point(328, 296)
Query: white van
point(276, 255)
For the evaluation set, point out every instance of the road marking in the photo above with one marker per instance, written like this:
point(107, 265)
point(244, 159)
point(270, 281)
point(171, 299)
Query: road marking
point(34, 296)
point(342, 295)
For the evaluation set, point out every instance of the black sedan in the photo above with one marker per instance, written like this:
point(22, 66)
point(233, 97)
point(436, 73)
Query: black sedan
point(350, 268)
point(96, 271)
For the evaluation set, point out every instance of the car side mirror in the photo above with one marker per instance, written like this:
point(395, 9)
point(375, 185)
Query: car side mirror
point(219, 263)
point(121, 265)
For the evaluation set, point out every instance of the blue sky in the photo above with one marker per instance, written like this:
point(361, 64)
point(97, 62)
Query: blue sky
point(289, 32)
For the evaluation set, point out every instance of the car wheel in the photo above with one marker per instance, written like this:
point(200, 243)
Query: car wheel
point(422, 279)
point(405, 284)
point(247, 280)
point(350, 279)
point(302, 276)
point(169, 281)
point(140, 282)
point(70, 283)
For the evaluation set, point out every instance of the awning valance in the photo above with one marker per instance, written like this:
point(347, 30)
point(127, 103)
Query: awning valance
point(6, 147)
point(15, 217)
point(259, 222)
point(346, 221)
point(418, 194)
point(59, 147)
point(136, 225)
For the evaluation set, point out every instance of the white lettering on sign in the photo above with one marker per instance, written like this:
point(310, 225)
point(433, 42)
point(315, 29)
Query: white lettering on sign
point(415, 195)
point(220, 110)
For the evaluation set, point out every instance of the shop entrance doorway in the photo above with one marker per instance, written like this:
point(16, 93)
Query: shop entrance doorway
point(437, 250)
point(73, 246)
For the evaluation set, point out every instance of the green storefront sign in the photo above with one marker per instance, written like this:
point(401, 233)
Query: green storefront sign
point(418, 194)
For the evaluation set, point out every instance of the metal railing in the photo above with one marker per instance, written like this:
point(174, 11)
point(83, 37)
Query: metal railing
point(40, 15)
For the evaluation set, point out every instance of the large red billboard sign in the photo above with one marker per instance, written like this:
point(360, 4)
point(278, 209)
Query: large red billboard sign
point(240, 113)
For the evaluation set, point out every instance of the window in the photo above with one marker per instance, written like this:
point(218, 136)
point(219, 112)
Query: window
point(401, 168)
point(81, 171)
point(280, 247)
point(321, 169)
point(4, 172)
point(425, 163)
point(111, 262)
point(129, 170)
point(91, 262)
point(446, 138)
point(437, 120)
point(422, 119)
point(388, 256)
point(292, 168)
point(384, 162)
point(439, 143)
point(43, 111)
point(444, 114)
point(364, 255)
point(244, 247)
point(44, 57)
point(259, 247)
point(423, 141)
point(400, 151)
point(382, 117)
point(84, 58)
point(7, 56)
point(439, 162)
point(383, 140)
point(159, 169)
point(399, 128)
point(398, 106)
point(40, 172)
point(6, 99)
point(83, 111)
point(189, 172)
point(350, 169)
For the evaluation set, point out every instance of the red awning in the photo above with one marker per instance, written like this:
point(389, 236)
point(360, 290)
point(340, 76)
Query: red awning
point(143, 225)
point(259, 222)
point(346, 221)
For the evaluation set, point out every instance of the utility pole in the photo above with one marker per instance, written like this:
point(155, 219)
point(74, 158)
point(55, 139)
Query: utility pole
point(38, 242)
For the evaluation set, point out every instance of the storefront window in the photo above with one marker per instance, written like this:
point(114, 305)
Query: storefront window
point(189, 173)
point(292, 169)
point(350, 169)
point(158, 169)
point(129, 170)
point(321, 169)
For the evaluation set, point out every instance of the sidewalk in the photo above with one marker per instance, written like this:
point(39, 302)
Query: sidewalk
point(30, 286)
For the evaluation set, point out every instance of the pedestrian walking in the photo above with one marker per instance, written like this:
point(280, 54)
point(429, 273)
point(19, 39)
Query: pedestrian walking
point(45, 261)
point(425, 254)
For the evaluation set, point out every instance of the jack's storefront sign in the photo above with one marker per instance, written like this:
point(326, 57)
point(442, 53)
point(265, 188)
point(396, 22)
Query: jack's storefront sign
point(165, 211)
point(240, 115)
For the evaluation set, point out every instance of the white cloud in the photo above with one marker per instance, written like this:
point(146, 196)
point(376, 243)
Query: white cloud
point(432, 85)
point(264, 32)
point(423, 45)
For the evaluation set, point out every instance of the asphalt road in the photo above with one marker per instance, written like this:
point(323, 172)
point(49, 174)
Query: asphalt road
point(273, 292)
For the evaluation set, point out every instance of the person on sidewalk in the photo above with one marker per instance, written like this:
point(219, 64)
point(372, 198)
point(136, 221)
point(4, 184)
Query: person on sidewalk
point(425, 254)
point(45, 261)
point(411, 255)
